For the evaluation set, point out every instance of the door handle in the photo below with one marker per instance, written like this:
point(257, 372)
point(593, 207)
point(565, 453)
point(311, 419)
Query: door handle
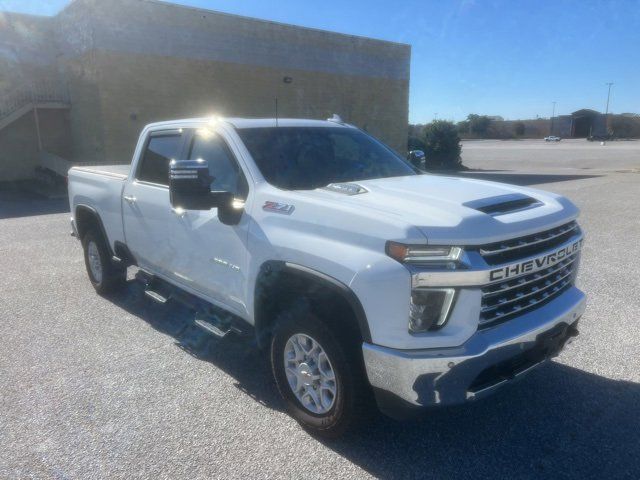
point(129, 198)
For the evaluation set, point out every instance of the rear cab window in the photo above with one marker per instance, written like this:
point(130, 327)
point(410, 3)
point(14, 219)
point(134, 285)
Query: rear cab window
point(161, 148)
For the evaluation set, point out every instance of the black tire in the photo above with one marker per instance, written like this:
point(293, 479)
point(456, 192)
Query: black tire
point(112, 277)
point(351, 400)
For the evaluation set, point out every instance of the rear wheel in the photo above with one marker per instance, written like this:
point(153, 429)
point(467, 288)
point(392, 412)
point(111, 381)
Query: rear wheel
point(321, 384)
point(104, 276)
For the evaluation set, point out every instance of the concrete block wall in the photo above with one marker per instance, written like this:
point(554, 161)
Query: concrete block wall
point(18, 149)
point(130, 62)
point(130, 98)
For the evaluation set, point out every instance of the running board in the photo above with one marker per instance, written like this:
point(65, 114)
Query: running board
point(153, 288)
point(213, 325)
point(155, 296)
point(211, 328)
point(210, 318)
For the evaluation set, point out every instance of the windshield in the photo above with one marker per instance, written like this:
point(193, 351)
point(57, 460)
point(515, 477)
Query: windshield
point(304, 158)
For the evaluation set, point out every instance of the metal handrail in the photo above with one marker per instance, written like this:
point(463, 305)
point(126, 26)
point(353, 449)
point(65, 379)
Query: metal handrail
point(41, 91)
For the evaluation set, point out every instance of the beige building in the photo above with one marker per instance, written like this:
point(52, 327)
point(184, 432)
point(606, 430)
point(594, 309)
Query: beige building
point(80, 85)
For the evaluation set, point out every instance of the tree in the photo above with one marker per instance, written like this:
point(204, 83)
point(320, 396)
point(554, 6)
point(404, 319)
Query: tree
point(519, 129)
point(478, 124)
point(415, 143)
point(442, 145)
point(463, 126)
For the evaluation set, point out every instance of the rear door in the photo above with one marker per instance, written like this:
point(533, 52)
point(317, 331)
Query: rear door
point(146, 210)
point(211, 257)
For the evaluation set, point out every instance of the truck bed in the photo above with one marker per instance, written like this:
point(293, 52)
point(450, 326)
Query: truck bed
point(99, 188)
point(121, 170)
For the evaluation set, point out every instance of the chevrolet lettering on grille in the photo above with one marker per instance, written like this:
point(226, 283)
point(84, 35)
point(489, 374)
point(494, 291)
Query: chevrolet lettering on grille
point(536, 263)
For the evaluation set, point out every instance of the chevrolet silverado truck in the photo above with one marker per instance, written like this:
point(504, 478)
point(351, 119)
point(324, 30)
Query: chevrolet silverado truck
point(363, 279)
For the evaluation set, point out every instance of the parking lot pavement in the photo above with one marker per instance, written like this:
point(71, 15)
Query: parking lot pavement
point(117, 387)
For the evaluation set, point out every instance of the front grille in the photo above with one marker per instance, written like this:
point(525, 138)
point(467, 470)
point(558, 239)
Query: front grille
point(508, 250)
point(505, 300)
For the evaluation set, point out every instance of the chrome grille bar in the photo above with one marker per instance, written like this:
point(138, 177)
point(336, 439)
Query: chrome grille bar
point(520, 295)
point(524, 242)
point(494, 290)
point(519, 309)
point(512, 298)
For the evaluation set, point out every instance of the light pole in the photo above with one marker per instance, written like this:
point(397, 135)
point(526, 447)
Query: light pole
point(606, 112)
point(553, 114)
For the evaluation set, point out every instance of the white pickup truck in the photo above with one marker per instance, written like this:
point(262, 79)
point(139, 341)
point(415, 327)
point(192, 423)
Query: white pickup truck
point(364, 278)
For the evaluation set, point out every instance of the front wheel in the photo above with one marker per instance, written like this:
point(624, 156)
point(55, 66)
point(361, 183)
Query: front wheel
point(322, 389)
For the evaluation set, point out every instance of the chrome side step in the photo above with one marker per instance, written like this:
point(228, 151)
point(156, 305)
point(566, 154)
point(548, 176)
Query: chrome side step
point(211, 319)
point(153, 287)
point(214, 325)
point(211, 328)
point(155, 296)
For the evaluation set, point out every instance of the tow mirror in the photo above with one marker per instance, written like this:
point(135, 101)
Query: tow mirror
point(190, 187)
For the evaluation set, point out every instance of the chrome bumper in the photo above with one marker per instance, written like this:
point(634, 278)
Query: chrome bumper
point(489, 359)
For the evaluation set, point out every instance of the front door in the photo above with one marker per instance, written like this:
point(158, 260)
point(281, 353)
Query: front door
point(146, 209)
point(211, 257)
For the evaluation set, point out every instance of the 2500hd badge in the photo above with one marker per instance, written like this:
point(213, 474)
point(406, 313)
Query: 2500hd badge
point(535, 263)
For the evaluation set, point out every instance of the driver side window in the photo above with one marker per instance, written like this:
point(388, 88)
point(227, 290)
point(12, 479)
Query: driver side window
point(223, 167)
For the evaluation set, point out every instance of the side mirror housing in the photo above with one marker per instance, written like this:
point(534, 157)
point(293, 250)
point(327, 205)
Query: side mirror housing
point(189, 186)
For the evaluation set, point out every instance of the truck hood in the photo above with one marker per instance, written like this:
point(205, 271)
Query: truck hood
point(454, 210)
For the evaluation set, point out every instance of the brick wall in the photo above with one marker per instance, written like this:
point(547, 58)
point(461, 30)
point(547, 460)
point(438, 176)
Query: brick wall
point(146, 89)
point(130, 62)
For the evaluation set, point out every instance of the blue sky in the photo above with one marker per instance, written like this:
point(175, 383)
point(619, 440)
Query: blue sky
point(494, 57)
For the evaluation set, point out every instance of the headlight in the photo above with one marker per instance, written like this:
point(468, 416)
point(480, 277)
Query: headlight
point(446, 257)
point(430, 308)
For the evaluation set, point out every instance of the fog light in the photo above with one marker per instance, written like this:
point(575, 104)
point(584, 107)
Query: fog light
point(430, 308)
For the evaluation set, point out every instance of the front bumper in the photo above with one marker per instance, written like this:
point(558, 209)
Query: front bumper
point(411, 379)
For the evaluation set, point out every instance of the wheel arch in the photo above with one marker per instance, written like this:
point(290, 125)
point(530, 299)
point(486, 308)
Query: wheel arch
point(87, 217)
point(279, 283)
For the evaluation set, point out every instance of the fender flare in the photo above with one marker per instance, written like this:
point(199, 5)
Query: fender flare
point(94, 213)
point(325, 280)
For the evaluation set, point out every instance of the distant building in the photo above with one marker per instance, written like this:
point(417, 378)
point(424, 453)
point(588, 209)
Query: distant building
point(586, 122)
point(82, 84)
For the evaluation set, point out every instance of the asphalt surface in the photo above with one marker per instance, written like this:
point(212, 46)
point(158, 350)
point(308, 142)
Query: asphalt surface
point(118, 387)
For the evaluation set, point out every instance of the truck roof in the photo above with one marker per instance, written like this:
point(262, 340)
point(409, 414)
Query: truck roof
point(256, 122)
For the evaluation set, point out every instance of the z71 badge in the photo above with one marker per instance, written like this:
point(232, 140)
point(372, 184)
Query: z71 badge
point(535, 263)
point(276, 207)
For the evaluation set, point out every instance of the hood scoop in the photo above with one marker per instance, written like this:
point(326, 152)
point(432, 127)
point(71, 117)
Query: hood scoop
point(346, 188)
point(503, 204)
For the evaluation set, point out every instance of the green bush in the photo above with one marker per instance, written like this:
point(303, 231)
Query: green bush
point(463, 126)
point(442, 146)
point(478, 124)
point(414, 143)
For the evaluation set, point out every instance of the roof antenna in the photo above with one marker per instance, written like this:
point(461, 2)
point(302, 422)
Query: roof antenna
point(276, 111)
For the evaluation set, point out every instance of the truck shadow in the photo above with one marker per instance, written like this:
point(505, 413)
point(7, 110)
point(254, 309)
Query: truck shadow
point(559, 422)
point(231, 354)
point(17, 200)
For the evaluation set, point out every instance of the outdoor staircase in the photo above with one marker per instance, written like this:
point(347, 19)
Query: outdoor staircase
point(32, 95)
